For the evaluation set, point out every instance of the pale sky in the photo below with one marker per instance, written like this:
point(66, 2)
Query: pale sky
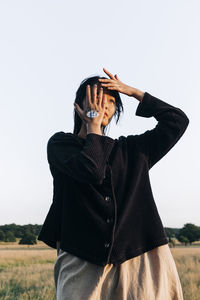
point(48, 47)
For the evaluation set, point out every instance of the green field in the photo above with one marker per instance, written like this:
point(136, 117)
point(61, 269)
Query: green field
point(26, 273)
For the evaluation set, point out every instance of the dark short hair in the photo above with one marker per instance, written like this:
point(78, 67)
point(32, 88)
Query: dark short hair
point(80, 95)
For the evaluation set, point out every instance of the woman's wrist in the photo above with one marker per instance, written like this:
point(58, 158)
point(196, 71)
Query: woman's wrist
point(136, 93)
point(93, 129)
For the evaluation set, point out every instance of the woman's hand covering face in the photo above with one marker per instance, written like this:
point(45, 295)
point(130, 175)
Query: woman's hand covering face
point(92, 101)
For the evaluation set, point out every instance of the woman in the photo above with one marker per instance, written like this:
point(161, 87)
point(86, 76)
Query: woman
point(103, 220)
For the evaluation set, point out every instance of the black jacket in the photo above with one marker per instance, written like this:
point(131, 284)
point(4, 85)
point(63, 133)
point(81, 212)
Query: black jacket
point(103, 208)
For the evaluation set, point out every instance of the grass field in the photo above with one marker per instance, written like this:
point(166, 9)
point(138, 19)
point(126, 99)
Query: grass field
point(26, 273)
point(188, 265)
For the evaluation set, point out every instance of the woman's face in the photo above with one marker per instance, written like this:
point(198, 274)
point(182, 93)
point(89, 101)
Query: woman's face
point(110, 107)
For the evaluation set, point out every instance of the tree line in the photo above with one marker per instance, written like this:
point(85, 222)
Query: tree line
point(188, 234)
point(27, 234)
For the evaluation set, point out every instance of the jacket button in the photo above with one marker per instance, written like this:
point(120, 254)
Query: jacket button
point(107, 245)
point(109, 220)
point(107, 199)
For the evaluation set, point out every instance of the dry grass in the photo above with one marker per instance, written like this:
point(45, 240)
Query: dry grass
point(26, 273)
point(15, 245)
point(188, 264)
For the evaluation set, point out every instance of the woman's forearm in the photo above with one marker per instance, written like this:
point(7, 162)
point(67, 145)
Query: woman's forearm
point(136, 93)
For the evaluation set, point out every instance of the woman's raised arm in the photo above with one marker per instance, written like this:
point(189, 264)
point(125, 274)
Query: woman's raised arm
point(172, 123)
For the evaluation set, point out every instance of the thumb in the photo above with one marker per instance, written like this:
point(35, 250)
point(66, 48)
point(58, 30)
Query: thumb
point(78, 110)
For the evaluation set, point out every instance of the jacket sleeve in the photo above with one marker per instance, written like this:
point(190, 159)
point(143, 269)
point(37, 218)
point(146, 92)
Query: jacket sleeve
point(172, 123)
point(86, 164)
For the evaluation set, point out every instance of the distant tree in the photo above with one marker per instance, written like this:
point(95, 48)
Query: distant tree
point(172, 242)
point(28, 239)
point(169, 232)
point(183, 240)
point(9, 237)
point(175, 231)
point(190, 231)
point(2, 235)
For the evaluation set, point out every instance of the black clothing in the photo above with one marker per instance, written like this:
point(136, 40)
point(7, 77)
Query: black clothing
point(103, 208)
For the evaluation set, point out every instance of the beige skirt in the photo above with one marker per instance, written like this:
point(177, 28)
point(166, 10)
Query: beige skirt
point(150, 276)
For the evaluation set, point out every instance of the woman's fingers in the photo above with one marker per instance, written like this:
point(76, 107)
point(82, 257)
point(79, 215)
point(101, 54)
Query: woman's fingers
point(105, 80)
point(94, 100)
point(91, 97)
point(112, 88)
point(100, 97)
point(116, 77)
point(94, 94)
point(109, 74)
point(103, 103)
point(88, 96)
point(108, 84)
